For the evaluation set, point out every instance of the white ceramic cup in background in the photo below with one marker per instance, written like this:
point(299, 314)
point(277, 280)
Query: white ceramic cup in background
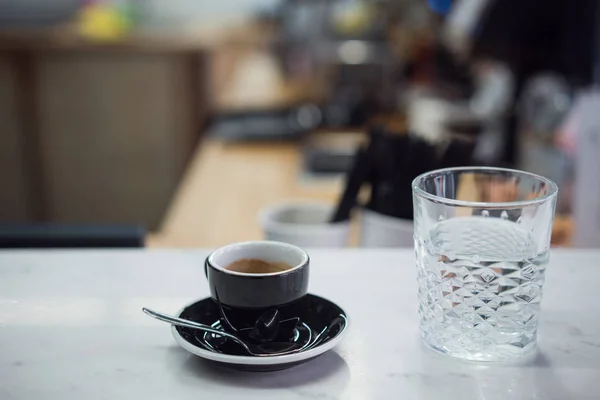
point(304, 224)
point(378, 230)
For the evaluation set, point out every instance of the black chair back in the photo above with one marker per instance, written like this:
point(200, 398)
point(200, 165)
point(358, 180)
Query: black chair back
point(46, 236)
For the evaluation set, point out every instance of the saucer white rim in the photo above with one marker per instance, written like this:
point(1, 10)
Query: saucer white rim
point(250, 360)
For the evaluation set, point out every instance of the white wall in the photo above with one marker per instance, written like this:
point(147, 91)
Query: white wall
point(181, 11)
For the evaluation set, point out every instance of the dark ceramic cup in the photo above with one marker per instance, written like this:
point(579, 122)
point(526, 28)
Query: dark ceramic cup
point(243, 297)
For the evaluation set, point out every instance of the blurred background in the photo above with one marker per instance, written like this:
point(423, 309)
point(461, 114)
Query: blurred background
point(173, 123)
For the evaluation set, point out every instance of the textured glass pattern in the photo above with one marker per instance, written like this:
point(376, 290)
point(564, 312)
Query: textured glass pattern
point(479, 289)
point(482, 238)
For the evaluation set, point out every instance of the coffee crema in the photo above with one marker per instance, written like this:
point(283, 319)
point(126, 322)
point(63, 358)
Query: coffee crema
point(256, 266)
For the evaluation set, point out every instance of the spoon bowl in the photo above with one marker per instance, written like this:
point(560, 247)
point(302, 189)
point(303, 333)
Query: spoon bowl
point(266, 327)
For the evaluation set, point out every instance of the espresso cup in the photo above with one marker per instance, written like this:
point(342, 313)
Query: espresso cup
point(243, 292)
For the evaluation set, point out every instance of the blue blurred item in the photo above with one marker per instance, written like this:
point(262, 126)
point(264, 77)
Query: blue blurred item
point(45, 236)
point(440, 6)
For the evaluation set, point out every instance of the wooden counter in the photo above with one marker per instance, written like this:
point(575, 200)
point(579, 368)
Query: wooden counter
point(226, 186)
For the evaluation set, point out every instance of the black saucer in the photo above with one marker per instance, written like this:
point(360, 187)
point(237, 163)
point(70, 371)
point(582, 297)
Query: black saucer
point(316, 315)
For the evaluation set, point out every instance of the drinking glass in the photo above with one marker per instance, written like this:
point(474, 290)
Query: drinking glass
point(482, 240)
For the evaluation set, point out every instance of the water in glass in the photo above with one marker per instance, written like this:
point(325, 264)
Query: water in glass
point(480, 286)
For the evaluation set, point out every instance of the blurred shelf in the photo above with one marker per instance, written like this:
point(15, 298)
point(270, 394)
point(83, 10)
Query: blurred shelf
point(204, 36)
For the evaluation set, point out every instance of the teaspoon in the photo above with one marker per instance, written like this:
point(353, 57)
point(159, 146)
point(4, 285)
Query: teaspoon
point(253, 350)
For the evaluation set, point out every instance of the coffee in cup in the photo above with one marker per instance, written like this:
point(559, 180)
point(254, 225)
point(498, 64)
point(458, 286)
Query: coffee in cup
point(256, 266)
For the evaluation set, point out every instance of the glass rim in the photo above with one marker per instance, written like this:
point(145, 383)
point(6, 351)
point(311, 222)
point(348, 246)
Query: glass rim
point(483, 204)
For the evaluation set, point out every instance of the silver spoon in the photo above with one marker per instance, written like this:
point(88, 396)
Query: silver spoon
point(253, 350)
point(325, 332)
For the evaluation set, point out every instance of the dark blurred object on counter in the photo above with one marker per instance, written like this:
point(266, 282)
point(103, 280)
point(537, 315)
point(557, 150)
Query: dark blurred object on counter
point(330, 152)
point(398, 159)
point(390, 162)
point(46, 236)
point(288, 123)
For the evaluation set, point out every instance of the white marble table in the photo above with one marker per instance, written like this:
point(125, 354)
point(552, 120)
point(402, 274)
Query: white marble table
point(71, 328)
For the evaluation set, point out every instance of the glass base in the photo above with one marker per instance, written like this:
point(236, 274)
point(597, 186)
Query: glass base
point(497, 354)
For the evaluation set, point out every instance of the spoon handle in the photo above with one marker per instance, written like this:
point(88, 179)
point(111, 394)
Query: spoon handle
point(187, 323)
